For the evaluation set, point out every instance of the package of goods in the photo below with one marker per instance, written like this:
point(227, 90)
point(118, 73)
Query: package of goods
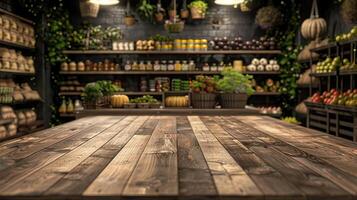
point(21, 118)
point(3, 132)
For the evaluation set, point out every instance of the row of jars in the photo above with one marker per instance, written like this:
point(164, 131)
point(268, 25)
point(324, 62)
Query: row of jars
point(160, 65)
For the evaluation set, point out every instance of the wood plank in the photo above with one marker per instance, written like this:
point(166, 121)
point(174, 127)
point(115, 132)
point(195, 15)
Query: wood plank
point(46, 155)
point(270, 181)
point(194, 175)
point(44, 178)
point(229, 177)
point(114, 177)
point(156, 171)
point(148, 127)
point(305, 179)
point(345, 180)
point(11, 145)
point(77, 180)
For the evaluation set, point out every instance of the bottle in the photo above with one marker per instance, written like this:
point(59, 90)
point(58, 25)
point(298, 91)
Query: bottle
point(221, 66)
point(214, 67)
point(178, 66)
point(171, 66)
point(185, 66)
point(149, 66)
point(135, 66)
point(142, 66)
point(70, 107)
point(205, 67)
point(163, 65)
point(63, 108)
point(192, 66)
point(157, 66)
point(127, 66)
point(229, 65)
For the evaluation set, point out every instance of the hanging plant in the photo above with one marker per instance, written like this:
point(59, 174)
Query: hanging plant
point(268, 17)
point(146, 10)
point(88, 9)
point(184, 11)
point(129, 18)
point(198, 9)
point(349, 11)
point(314, 27)
point(160, 12)
point(172, 10)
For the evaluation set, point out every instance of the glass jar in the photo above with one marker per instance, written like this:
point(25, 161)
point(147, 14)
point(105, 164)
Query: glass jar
point(135, 66)
point(164, 65)
point(178, 66)
point(171, 66)
point(205, 67)
point(214, 67)
point(142, 66)
point(149, 66)
point(192, 66)
point(185, 66)
point(127, 66)
point(221, 66)
point(157, 66)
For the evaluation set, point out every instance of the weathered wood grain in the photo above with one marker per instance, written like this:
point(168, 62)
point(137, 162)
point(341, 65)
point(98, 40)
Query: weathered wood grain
point(44, 178)
point(304, 178)
point(156, 171)
point(194, 176)
point(229, 177)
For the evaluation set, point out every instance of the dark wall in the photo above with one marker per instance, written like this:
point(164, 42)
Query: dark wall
point(233, 22)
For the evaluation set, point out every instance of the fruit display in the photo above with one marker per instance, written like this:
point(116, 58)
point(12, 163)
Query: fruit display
point(10, 92)
point(177, 101)
point(15, 61)
point(146, 101)
point(335, 97)
point(347, 36)
point(348, 66)
point(262, 65)
point(291, 120)
point(204, 84)
point(16, 31)
point(237, 43)
point(329, 65)
point(88, 65)
point(26, 117)
point(118, 101)
point(267, 86)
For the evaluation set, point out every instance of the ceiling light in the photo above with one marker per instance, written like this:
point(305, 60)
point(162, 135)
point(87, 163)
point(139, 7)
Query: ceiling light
point(228, 2)
point(105, 2)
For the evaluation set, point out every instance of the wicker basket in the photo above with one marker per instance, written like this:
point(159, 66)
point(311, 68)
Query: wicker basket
point(233, 100)
point(143, 105)
point(129, 20)
point(88, 9)
point(155, 105)
point(197, 13)
point(175, 27)
point(130, 105)
point(91, 105)
point(203, 100)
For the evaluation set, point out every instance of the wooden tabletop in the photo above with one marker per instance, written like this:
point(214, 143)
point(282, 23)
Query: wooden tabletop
point(168, 157)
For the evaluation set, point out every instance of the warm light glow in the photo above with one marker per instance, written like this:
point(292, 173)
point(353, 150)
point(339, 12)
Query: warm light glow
point(228, 2)
point(105, 2)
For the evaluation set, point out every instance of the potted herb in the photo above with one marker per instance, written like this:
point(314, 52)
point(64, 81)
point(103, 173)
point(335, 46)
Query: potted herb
point(235, 88)
point(146, 10)
point(184, 11)
point(154, 103)
point(108, 89)
point(91, 95)
point(129, 18)
point(198, 9)
point(204, 92)
point(160, 12)
point(172, 10)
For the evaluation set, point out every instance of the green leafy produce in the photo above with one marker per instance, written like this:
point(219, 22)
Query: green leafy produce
point(204, 84)
point(235, 82)
point(199, 4)
point(107, 87)
point(144, 99)
point(291, 120)
point(92, 92)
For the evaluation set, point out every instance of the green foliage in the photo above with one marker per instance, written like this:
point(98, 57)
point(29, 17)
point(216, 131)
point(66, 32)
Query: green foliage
point(199, 4)
point(107, 87)
point(92, 92)
point(235, 82)
point(144, 99)
point(146, 10)
point(161, 38)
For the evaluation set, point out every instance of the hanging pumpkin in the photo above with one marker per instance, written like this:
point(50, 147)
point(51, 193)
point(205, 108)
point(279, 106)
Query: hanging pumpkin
point(314, 27)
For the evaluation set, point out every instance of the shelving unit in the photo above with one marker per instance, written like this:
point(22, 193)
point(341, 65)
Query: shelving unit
point(335, 119)
point(92, 75)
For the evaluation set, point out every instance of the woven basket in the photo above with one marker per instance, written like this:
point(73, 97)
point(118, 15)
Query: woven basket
point(203, 100)
point(197, 13)
point(233, 100)
point(88, 9)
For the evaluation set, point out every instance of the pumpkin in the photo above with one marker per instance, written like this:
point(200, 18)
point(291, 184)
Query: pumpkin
point(176, 101)
point(118, 101)
point(314, 27)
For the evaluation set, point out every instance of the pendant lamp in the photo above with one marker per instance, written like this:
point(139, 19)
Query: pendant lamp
point(105, 2)
point(228, 2)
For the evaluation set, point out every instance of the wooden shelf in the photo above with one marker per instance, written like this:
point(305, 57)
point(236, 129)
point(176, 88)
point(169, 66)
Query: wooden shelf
point(323, 74)
point(263, 73)
point(16, 16)
point(69, 93)
point(266, 94)
point(15, 72)
point(67, 115)
point(353, 72)
point(173, 52)
point(6, 121)
point(325, 47)
point(161, 93)
point(16, 46)
point(141, 73)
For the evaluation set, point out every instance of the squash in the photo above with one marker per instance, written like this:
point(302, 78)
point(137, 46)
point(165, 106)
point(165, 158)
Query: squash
point(118, 101)
point(314, 27)
point(176, 101)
